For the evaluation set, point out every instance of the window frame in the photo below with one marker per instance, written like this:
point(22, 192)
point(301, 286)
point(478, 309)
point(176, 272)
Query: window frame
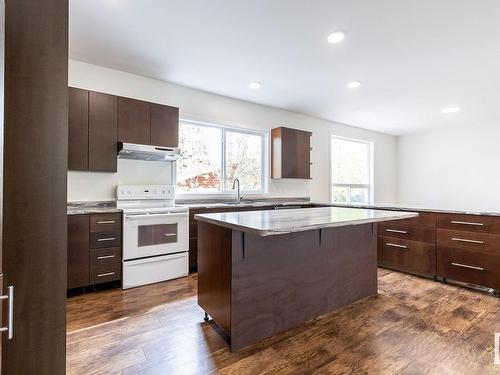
point(370, 160)
point(227, 191)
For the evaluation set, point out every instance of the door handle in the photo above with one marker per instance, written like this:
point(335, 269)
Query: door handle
point(105, 257)
point(397, 231)
point(106, 239)
point(467, 223)
point(466, 240)
point(396, 245)
point(10, 317)
point(170, 234)
point(106, 222)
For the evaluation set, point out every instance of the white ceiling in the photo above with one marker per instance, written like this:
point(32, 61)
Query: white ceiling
point(413, 57)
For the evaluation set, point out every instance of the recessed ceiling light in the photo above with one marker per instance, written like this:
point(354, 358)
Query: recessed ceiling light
point(453, 109)
point(354, 84)
point(255, 85)
point(336, 37)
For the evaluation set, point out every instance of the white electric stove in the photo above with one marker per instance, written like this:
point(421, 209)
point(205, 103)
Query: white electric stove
point(155, 234)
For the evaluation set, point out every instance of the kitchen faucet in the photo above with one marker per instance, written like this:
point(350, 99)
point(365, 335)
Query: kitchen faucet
point(238, 197)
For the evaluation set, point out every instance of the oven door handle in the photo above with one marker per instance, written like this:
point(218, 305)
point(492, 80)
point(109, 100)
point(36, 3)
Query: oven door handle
point(145, 216)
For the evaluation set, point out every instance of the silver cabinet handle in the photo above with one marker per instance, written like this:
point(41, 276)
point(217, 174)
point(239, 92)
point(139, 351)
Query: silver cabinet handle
point(105, 257)
point(465, 240)
point(10, 318)
point(170, 234)
point(396, 245)
point(106, 222)
point(396, 231)
point(106, 239)
point(106, 274)
point(467, 223)
point(467, 266)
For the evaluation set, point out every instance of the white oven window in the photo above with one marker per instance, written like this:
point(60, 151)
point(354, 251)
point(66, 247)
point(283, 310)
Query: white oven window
point(156, 234)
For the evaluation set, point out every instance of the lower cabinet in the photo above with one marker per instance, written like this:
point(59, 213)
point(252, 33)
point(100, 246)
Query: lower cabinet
point(94, 249)
point(457, 247)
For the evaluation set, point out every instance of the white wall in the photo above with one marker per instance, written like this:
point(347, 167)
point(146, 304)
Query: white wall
point(451, 168)
point(203, 106)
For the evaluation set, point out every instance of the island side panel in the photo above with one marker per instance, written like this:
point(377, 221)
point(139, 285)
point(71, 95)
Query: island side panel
point(282, 281)
point(214, 273)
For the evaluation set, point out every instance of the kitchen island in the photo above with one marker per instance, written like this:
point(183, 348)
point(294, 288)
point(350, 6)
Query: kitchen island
point(263, 272)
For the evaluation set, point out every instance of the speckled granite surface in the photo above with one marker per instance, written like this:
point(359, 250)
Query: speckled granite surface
point(265, 223)
point(79, 208)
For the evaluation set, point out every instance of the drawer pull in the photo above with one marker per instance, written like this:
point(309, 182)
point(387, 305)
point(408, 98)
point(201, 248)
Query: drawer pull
point(105, 257)
point(468, 241)
point(396, 231)
point(396, 245)
point(467, 223)
point(106, 222)
point(467, 266)
point(170, 234)
point(106, 239)
point(105, 274)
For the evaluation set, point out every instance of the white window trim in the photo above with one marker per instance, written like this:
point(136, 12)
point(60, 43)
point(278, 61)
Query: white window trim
point(370, 185)
point(228, 192)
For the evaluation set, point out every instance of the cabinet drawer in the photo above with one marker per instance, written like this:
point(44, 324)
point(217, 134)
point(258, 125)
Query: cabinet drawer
point(473, 267)
point(101, 259)
point(469, 223)
point(468, 240)
point(103, 273)
point(414, 233)
point(111, 238)
point(405, 255)
point(105, 222)
point(424, 219)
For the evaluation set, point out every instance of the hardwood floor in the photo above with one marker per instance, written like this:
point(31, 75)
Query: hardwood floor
point(414, 326)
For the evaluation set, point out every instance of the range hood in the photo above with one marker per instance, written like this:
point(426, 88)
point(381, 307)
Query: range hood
point(147, 152)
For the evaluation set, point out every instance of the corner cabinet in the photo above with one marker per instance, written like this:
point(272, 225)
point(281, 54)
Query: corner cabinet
point(98, 121)
point(290, 153)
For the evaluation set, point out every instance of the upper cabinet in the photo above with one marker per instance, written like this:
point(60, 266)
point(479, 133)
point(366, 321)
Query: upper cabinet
point(134, 121)
point(92, 131)
point(78, 129)
point(164, 125)
point(147, 123)
point(103, 126)
point(98, 121)
point(290, 153)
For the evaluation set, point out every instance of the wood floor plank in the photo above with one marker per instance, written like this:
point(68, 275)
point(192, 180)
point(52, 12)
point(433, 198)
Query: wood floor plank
point(414, 326)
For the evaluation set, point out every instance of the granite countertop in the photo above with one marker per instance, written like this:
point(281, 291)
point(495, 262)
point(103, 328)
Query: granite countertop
point(79, 208)
point(265, 223)
point(396, 207)
point(262, 202)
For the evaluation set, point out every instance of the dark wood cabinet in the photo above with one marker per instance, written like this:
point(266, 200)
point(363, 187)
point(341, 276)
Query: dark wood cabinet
point(164, 125)
point(103, 126)
point(78, 129)
point(134, 121)
point(78, 251)
point(94, 249)
point(290, 153)
point(92, 133)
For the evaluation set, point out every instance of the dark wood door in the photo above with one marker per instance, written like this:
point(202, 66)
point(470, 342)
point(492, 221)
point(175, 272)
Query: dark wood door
point(164, 125)
point(34, 182)
point(134, 121)
point(103, 127)
point(78, 251)
point(303, 154)
point(78, 129)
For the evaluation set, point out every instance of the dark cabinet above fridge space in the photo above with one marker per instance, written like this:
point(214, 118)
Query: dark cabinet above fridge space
point(97, 122)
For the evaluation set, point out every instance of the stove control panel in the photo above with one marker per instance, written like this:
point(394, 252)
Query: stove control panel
point(145, 192)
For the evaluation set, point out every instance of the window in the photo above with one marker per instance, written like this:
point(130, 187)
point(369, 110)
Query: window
point(213, 156)
point(351, 171)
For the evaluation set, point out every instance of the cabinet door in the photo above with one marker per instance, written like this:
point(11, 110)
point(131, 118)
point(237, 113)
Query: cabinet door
point(78, 251)
point(78, 129)
point(164, 125)
point(103, 126)
point(288, 153)
point(303, 154)
point(134, 121)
